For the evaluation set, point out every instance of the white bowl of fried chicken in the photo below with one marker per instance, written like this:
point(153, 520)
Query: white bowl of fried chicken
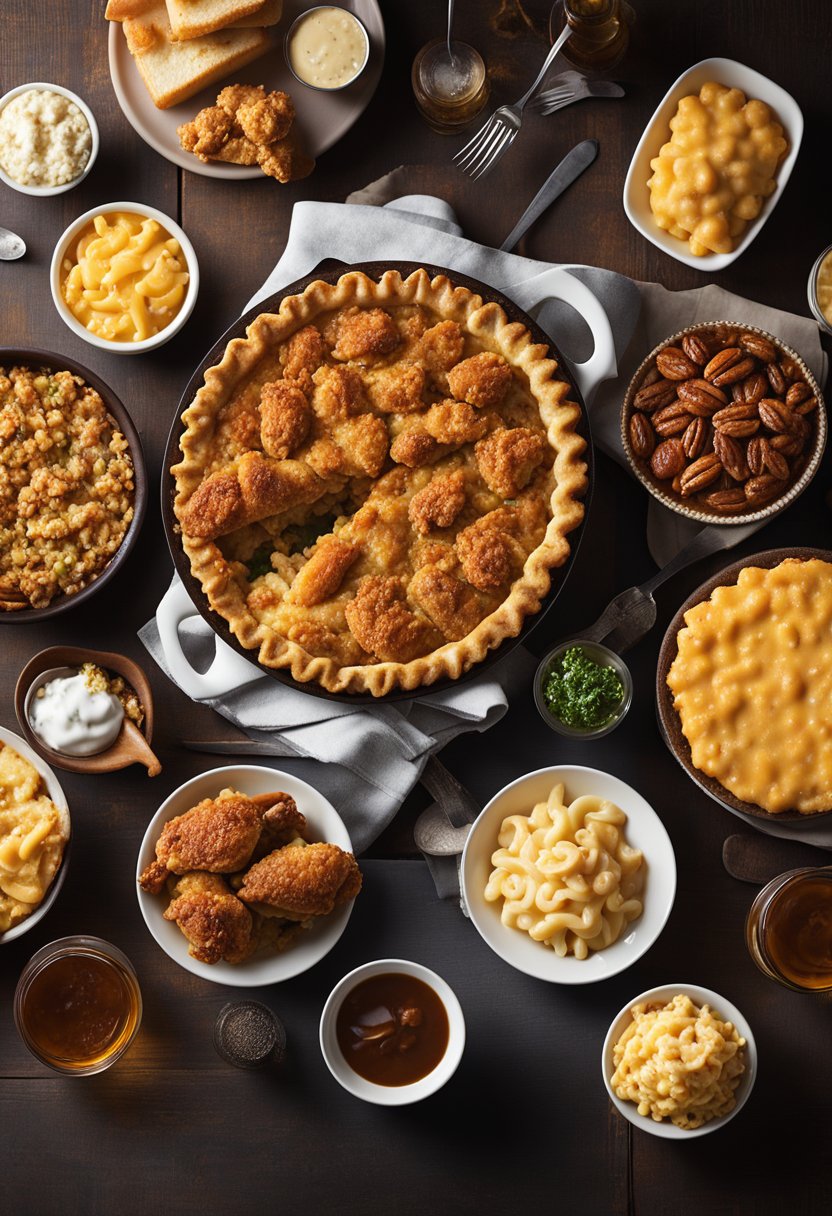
point(246, 876)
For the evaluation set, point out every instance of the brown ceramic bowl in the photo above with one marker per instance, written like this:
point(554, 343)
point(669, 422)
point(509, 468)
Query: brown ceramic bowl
point(132, 745)
point(9, 357)
point(717, 334)
point(671, 727)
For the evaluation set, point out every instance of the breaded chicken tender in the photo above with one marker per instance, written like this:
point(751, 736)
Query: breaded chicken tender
point(440, 348)
point(365, 334)
point(398, 390)
point(482, 380)
point(323, 574)
point(259, 487)
point(338, 393)
point(454, 423)
point(453, 606)
point(215, 922)
point(438, 503)
point(488, 553)
point(415, 448)
point(237, 150)
point(508, 457)
point(381, 622)
point(285, 418)
point(267, 119)
point(299, 883)
point(284, 160)
point(218, 834)
point(235, 95)
point(207, 133)
point(304, 353)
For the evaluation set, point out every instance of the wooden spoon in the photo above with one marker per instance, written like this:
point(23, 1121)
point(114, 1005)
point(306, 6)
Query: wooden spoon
point(132, 746)
point(753, 857)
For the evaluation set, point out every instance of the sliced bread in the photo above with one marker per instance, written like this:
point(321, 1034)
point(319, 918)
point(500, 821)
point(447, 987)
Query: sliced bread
point(174, 71)
point(194, 18)
point(269, 14)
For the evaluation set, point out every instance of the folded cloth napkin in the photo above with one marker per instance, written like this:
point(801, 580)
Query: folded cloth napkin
point(377, 753)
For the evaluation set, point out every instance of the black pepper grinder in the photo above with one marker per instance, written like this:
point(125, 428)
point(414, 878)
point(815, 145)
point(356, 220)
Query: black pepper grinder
point(249, 1035)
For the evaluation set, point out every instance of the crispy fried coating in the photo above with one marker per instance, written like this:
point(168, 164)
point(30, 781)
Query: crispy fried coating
point(218, 834)
point(452, 605)
point(235, 95)
point(381, 622)
point(482, 380)
point(323, 574)
point(365, 334)
point(454, 423)
point(508, 457)
point(260, 487)
point(305, 352)
point(415, 448)
point(215, 507)
point(438, 503)
point(285, 418)
point(237, 150)
point(216, 924)
point(267, 119)
point(364, 441)
point(398, 390)
point(487, 551)
point(207, 132)
point(440, 348)
point(299, 883)
point(284, 159)
point(338, 393)
point(281, 821)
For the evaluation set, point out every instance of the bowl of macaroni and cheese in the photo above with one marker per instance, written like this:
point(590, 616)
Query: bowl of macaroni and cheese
point(712, 163)
point(34, 837)
point(569, 875)
point(124, 277)
point(679, 1061)
point(48, 139)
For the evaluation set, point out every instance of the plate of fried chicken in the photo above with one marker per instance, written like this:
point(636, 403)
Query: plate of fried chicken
point(246, 876)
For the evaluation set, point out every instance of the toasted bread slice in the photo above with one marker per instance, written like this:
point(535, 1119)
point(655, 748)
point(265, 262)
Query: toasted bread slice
point(269, 14)
point(174, 71)
point(195, 18)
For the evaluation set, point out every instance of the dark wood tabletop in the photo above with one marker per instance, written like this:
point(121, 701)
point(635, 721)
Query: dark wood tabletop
point(526, 1120)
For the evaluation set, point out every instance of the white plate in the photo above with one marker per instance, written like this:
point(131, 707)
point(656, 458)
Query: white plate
point(636, 194)
point(322, 117)
point(722, 1009)
point(324, 823)
point(644, 830)
point(56, 793)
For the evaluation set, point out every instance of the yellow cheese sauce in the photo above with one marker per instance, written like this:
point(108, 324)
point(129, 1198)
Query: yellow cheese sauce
point(752, 683)
point(824, 287)
point(33, 834)
point(327, 48)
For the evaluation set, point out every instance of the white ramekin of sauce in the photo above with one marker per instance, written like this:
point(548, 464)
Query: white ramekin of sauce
point(820, 290)
point(70, 718)
point(48, 139)
point(327, 48)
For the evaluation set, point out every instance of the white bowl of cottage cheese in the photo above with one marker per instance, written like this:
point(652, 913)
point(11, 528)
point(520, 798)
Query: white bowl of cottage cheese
point(48, 139)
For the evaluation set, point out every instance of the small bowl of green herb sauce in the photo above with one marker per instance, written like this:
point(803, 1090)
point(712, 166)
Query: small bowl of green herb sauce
point(582, 689)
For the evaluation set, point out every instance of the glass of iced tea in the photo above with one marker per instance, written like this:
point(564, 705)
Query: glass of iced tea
point(78, 1005)
point(789, 929)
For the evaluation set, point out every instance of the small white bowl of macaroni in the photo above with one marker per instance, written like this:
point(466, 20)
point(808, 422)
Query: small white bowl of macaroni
point(124, 277)
point(722, 159)
point(569, 875)
point(48, 139)
point(679, 1061)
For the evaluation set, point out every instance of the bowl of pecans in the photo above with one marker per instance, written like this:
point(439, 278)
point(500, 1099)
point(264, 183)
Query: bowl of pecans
point(724, 423)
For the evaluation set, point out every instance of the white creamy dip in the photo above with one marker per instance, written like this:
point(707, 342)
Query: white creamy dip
point(45, 140)
point(69, 718)
point(327, 48)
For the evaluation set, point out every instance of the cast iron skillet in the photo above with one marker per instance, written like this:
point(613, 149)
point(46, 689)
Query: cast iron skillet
point(330, 271)
point(669, 722)
point(12, 356)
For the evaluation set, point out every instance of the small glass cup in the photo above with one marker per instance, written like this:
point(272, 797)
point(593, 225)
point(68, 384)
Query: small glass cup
point(600, 32)
point(449, 92)
point(292, 30)
point(823, 319)
point(790, 943)
point(248, 1034)
point(605, 658)
point(78, 1005)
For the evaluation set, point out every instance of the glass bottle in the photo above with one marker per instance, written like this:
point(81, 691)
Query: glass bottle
point(600, 32)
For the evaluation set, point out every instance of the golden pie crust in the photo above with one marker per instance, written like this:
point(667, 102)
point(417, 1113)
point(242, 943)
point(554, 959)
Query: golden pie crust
point(425, 440)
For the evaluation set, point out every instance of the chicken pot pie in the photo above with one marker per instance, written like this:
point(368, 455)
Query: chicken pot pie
point(377, 481)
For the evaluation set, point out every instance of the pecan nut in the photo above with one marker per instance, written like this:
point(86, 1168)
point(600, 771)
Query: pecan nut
point(731, 456)
point(695, 438)
point(796, 393)
point(727, 501)
point(777, 464)
point(755, 454)
point(654, 396)
point(789, 445)
point(668, 459)
point(699, 475)
point(674, 364)
point(696, 349)
point(738, 371)
point(776, 416)
point(777, 378)
point(701, 397)
point(761, 489)
point(759, 347)
point(752, 389)
point(722, 361)
point(642, 436)
point(672, 420)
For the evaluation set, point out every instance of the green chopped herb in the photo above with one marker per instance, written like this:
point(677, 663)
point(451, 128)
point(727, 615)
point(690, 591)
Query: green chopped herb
point(581, 693)
point(260, 561)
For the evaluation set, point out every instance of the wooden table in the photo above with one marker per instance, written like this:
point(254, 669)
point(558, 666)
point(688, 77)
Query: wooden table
point(524, 1122)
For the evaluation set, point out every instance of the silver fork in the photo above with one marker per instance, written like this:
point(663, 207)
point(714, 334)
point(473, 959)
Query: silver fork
point(496, 136)
point(570, 87)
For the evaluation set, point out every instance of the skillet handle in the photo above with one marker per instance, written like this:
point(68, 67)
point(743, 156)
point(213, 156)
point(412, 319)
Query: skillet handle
point(559, 284)
point(227, 672)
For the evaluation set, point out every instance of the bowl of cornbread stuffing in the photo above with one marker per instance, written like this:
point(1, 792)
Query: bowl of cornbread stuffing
point(73, 486)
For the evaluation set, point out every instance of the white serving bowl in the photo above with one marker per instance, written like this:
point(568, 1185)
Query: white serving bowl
point(324, 824)
point(56, 793)
point(392, 1095)
point(164, 335)
point(47, 191)
point(644, 830)
point(720, 1008)
point(637, 195)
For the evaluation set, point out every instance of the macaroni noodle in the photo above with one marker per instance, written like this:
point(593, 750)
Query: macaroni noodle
point(127, 279)
point(566, 875)
point(678, 1062)
point(33, 833)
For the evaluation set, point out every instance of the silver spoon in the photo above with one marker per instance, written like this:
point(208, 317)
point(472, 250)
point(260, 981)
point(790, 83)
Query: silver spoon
point(12, 246)
point(450, 23)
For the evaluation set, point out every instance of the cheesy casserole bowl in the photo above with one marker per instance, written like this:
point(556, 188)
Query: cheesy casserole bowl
point(376, 482)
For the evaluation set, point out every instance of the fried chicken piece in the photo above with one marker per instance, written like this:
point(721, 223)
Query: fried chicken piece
point(216, 924)
point(415, 448)
point(235, 95)
point(281, 821)
point(324, 573)
point(454, 423)
point(207, 133)
point(438, 503)
point(299, 883)
point(338, 393)
point(218, 834)
point(381, 622)
point(398, 390)
point(284, 159)
point(365, 334)
point(304, 353)
point(440, 348)
point(364, 441)
point(487, 550)
point(285, 418)
point(274, 935)
point(237, 150)
point(259, 488)
point(452, 605)
point(508, 457)
point(267, 119)
point(482, 380)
